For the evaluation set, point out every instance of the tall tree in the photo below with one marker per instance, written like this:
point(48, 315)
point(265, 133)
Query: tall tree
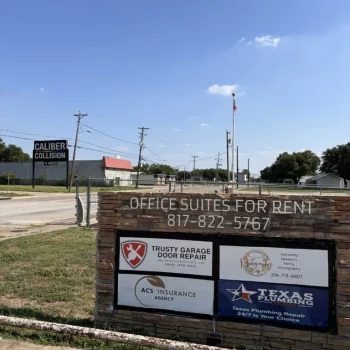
point(336, 161)
point(12, 153)
point(161, 169)
point(144, 168)
point(307, 164)
point(291, 166)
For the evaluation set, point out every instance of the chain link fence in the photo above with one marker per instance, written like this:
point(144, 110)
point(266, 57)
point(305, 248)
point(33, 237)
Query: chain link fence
point(87, 194)
point(258, 188)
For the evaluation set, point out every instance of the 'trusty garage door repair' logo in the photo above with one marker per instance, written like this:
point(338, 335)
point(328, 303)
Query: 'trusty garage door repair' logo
point(134, 252)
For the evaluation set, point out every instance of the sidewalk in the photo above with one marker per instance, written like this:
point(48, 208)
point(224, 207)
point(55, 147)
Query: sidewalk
point(16, 345)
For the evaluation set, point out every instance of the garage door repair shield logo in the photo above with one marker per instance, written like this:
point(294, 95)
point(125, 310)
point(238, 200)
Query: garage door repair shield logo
point(134, 252)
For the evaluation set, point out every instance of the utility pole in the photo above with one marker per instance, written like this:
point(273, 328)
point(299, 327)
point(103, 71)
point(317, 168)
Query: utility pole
point(237, 166)
point(248, 172)
point(142, 135)
point(233, 135)
point(79, 116)
point(194, 163)
point(217, 166)
point(184, 174)
point(228, 154)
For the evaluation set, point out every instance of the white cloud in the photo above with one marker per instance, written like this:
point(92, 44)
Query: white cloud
point(42, 89)
point(224, 90)
point(204, 125)
point(240, 41)
point(267, 41)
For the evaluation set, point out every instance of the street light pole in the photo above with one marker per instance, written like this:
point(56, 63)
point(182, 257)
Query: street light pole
point(79, 116)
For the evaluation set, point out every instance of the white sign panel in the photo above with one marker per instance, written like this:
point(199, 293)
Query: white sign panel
point(166, 255)
point(274, 265)
point(166, 293)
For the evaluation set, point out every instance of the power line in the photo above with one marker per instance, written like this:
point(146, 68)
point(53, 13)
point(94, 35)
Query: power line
point(21, 97)
point(116, 138)
point(17, 137)
point(81, 147)
point(114, 151)
point(164, 160)
point(156, 155)
point(69, 138)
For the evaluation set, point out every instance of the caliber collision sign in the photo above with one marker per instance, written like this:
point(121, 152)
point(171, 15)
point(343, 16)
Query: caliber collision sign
point(50, 153)
point(56, 150)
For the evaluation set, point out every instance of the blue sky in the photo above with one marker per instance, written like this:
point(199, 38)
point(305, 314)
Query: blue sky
point(151, 63)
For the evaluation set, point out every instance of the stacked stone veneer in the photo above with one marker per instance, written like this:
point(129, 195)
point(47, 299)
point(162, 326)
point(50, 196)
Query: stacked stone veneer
point(330, 220)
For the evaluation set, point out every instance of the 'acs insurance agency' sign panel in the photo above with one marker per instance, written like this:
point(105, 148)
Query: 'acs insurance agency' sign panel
point(238, 280)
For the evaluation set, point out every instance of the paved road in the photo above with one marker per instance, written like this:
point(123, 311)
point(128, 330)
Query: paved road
point(38, 209)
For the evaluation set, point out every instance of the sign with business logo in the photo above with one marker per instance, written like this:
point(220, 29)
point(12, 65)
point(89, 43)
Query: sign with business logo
point(166, 293)
point(282, 282)
point(295, 305)
point(50, 153)
point(56, 150)
point(275, 265)
point(166, 255)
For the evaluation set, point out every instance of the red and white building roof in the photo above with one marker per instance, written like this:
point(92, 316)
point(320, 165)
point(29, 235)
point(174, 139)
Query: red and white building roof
point(120, 164)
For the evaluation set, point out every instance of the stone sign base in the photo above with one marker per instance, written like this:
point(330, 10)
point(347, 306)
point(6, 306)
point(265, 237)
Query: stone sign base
point(326, 218)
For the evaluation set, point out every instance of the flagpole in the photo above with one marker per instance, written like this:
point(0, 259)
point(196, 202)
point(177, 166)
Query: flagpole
point(233, 137)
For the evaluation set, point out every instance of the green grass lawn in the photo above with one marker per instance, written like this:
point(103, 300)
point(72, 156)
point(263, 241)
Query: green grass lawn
point(51, 277)
point(62, 189)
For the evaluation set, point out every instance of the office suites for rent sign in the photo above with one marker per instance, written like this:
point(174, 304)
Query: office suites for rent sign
point(279, 285)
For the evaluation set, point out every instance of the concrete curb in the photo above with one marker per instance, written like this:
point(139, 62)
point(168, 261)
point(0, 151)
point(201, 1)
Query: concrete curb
point(23, 197)
point(4, 198)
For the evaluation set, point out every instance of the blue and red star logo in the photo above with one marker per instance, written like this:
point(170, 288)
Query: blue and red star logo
point(241, 293)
